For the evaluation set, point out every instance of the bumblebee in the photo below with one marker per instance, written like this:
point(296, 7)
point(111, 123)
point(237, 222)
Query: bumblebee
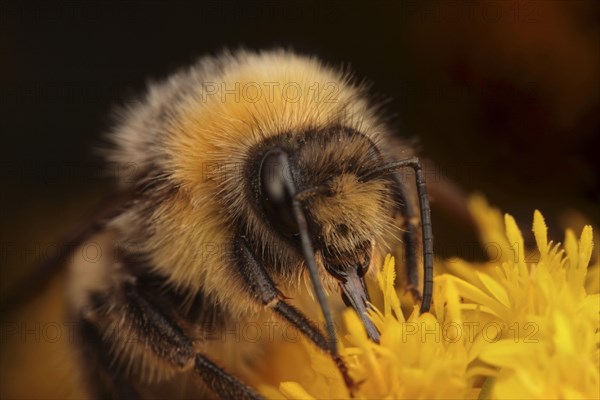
point(260, 185)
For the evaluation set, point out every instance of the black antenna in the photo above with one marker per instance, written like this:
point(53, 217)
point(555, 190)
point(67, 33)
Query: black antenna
point(279, 189)
point(415, 164)
point(309, 256)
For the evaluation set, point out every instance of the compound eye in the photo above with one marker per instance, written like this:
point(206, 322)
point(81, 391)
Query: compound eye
point(277, 191)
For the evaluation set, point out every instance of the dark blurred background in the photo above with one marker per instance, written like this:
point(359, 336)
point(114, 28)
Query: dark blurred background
point(503, 95)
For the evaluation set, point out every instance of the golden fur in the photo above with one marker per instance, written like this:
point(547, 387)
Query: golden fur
point(198, 134)
point(201, 141)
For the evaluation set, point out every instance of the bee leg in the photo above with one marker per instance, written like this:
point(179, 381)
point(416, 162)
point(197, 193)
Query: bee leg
point(221, 382)
point(427, 234)
point(410, 227)
point(425, 217)
point(135, 316)
point(264, 291)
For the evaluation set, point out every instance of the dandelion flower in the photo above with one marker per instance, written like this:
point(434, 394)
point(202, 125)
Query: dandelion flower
point(525, 323)
point(548, 340)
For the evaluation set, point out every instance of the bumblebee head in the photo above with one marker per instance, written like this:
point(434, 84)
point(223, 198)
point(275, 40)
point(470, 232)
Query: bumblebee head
point(313, 192)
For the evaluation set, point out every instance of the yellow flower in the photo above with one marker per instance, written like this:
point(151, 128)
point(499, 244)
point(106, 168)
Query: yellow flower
point(413, 360)
point(547, 344)
point(523, 321)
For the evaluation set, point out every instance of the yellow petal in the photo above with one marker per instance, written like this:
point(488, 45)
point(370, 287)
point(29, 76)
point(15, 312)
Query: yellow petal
point(515, 239)
point(359, 335)
point(390, 293)
point(575, 394)
point(479, 343)
point(270, 392)
point(503, 353)
point(293, 390)
point(572, 248)
point(563, 335)
point(586, 243)
point(453, 301)
point(477, 295)
point(540, 230)
point(591, 304)
point(592, 279)
point(355, 327)
point(494, 288)
point(481, 370)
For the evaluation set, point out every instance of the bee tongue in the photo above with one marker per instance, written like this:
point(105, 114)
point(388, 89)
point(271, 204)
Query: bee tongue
point(354, 294)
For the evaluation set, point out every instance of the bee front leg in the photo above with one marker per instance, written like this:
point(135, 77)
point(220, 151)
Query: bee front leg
point(128, 312)
point(263, 289)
